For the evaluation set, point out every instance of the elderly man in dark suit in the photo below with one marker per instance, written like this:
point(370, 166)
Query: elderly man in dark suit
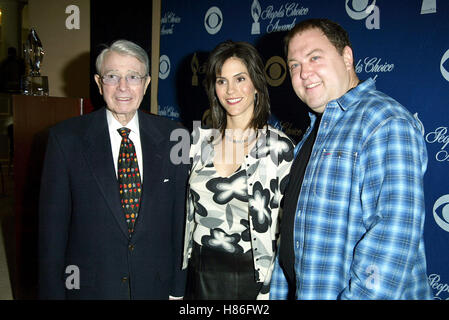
point(112, 201)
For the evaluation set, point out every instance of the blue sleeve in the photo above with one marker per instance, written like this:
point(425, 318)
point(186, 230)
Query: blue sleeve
point(393, 161)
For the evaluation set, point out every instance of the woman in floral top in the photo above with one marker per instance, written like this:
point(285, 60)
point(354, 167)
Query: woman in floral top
point(239, 172)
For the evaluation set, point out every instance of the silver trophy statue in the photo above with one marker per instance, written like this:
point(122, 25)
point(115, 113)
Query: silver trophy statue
point(33, 83)
point(255, 13)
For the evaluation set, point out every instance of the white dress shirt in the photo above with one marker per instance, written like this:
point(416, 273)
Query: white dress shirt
point(116, 138)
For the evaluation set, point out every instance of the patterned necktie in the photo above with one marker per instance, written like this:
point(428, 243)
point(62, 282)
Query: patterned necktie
point(129, 179)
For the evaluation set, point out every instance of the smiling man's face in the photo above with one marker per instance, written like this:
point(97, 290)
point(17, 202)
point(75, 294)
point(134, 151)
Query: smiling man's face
point(319, 73)
point(123, 99)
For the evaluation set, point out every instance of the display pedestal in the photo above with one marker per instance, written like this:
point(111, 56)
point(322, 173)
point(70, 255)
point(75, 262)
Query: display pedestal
point(33, 116)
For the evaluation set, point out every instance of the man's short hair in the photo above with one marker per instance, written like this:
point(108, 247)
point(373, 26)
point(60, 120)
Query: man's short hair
point(124, 47)
point(332, 30)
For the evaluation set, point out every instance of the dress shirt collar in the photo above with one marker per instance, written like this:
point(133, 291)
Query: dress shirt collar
point(114, 124)
point(347, 100)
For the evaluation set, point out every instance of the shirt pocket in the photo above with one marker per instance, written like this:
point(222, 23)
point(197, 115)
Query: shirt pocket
point(333, 176)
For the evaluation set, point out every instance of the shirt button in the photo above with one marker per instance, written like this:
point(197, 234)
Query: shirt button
point(124, 279)
point(297, 244)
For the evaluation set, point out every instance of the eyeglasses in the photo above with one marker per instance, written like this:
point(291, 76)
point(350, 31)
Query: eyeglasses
point(113, 79)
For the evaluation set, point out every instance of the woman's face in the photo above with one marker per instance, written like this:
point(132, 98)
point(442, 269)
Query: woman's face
point(235, 91)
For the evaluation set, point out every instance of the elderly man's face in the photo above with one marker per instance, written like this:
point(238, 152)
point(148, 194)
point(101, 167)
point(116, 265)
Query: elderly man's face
point(123, 98)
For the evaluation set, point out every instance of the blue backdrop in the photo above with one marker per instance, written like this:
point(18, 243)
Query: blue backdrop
point(402, 44)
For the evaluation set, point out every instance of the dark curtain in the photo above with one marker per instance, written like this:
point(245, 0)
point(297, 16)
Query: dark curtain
point(113, 20)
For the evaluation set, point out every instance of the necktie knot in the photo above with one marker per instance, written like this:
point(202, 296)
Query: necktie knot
point(124, 132)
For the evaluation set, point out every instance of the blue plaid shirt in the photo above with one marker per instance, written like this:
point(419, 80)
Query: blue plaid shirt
point(358, 230)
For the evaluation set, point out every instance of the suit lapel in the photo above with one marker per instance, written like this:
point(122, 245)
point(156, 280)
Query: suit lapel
point(153, 147)
point(98, 155)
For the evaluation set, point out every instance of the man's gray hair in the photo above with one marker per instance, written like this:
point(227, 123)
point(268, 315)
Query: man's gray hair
point(124, 47)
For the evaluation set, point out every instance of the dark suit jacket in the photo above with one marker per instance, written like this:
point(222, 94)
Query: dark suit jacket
point(81, 222)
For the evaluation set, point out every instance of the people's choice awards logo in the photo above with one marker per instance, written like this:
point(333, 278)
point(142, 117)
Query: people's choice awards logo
point(438, 286)
point(169, 111)
point(198, 68)
point(275, 71)
point(440, 136)
point(168, 22)
point(443, 70)
point(373, 65)
point(164, 67)
point(441, 212)
point(276, 17)
point(194, 65)
point(255, 13)
point(361, 9)
point(213, 20)
point(421, 125)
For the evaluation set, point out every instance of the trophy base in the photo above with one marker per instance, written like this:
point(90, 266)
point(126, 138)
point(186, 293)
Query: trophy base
point(428, 6)
point(35, 85)
point(255, 28)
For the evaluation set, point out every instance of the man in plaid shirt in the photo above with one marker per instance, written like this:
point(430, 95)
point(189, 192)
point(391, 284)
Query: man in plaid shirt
point(353, 219)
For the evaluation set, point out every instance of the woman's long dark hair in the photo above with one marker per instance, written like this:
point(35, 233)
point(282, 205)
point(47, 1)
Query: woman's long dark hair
point(253, 62)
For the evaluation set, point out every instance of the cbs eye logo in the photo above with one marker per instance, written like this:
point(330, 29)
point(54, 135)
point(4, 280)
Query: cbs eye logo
point(360, 9)
point(443, 70)
point(164, 67)
point(213, 20)
point(441, 212)
point(275, 71)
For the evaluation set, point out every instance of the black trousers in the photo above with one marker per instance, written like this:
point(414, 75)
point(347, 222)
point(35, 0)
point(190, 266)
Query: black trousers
point(217, 275)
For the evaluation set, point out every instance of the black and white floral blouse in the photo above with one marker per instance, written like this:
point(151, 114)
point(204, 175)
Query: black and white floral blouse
point(221, 210)
point(239, 212)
